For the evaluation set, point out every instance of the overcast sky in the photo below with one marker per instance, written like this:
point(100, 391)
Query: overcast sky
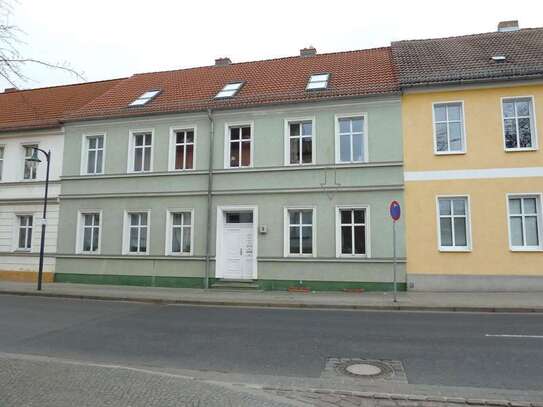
point(115, 38)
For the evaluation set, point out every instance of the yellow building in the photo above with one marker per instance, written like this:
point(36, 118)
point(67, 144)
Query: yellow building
point(472, 115)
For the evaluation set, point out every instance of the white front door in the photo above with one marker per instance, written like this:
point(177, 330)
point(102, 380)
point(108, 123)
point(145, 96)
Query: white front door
point(238, 252)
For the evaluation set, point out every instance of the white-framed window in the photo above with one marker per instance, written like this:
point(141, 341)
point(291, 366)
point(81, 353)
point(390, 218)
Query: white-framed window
point(525, 222)
point(299, 141)
point(144, 98)
point(93, 154)
point(352, 138)
point(352, 231)
point(179, 234)
point(89, 237)
point(300, 232)
point(136, 236)
point(318, 81)
point(141, 151)
point(24, 235)
point(449, 128)
point(2, 150)
point(182, 148)
point(30, 170)
point(229, 90)
point(238, 145)
point(454, 229)
point(519, 129)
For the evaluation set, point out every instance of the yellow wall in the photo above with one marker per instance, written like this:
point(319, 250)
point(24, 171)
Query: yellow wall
point(490, 253)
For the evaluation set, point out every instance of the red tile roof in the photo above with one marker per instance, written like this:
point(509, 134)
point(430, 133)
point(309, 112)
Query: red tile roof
point(43, 108)
point(282, 80)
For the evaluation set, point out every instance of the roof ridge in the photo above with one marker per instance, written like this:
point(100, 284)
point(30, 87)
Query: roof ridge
point(18, 91)
point(468, 35)
point(263, 60)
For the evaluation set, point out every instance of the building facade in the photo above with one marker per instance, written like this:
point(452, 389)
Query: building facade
point(287, 190)
point(473, 162)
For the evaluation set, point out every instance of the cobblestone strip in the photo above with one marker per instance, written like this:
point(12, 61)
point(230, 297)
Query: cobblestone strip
point(340, 398)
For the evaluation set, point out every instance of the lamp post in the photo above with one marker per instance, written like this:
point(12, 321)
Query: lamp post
point(34, 160)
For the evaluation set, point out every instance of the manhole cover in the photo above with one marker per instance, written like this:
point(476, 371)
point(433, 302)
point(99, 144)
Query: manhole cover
point(363, 369)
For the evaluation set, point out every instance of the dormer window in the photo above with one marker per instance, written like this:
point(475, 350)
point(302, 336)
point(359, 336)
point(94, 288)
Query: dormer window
point(229, 90)
point(318, 81)
point(145, 98)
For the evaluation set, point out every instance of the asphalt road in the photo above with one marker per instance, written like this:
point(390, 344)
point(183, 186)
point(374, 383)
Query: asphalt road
point(450, 349)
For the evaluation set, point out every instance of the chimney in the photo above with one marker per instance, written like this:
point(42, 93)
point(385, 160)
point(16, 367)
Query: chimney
point(10, 90)
point(308, 52)
point(222, 61)
point(505, 26)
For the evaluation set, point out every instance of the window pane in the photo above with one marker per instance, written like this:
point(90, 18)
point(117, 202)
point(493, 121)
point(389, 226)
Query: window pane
point(344, 125)
point(95, 236)
point(233, 217)
point(508, 109)
point(514, 206)
point(440, 113)
point(177, 218)
point(444, 207)
point(88, 220)
point(294, 240)
point(143, 239)
point(190, 157)
point(307, 239)
point(359, 216)
point(176, 240)
point(92, 142)
point(138, 140)
point(100, 141)
point(294, 217)
point(510, 133)
point(357, 147)
point(516, 231)
point(346, 240)
point(530, 206)
point(455, 136)
point(359, 240)
point(138, 158)
point(346, 216)
point(294, 150)
point(22, 238)
point(306, 150)
point(143, 218)
point(179, 159)
point(246, 217)
point(91, 162)
point(190, 137)
point(134, 219)
point(234, 154)
point(186, 240)
point(445, 228)
point(459, 206)
point(246, 153)
point(525, 133)
point(523, 107)
point(307, 217)
point(234, 133)
point(99, 156)
point(357, 125)
point(147, 165)
point(442, 143)
point(87, 239)
point(294, 129)
point(307, 128)
point(180, 137)
point(133, 239)
point(532, 233)
point(245, 133)
point(454, 112)
point(345, 148)
point(148, 139)
point(187, 216)
point(460, 237)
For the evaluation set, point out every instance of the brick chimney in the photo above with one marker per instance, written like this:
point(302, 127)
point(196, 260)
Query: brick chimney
point(10, 90)
point(308, 52)
point(505, 26)
point(222, 61)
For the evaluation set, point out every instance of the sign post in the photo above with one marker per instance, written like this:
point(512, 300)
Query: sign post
point(395, 213)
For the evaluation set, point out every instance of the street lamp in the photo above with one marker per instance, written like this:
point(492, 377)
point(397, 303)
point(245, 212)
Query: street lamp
point(34, 161)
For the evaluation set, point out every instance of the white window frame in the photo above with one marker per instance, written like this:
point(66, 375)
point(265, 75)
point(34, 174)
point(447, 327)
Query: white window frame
point(25, 158)
point(434, 130)
point(286, 231)
point(535, 144)
point(17, 231)
point(468, 247)
point(312, 81)
point(131, 150)
point(80, 230)
point(366, 208)
point(227, 127)
point(2, 157)
point(229, 90)
point(365, 137)
point(286, 138)
point(126, 232)
point(173, 144)
point(539, 203)
point(169, 227)
point(145, 98)
point(85, 153)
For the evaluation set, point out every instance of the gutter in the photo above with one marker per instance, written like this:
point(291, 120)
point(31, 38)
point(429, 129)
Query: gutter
point(209, 198)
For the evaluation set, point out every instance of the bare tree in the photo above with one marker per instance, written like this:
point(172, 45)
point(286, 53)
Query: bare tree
point(12, 62)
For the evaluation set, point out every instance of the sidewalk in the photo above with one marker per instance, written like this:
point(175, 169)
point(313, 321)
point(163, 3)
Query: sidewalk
point(408, 301)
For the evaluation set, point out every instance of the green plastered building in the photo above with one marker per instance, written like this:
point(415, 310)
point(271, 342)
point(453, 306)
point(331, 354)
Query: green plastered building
point(273, 174)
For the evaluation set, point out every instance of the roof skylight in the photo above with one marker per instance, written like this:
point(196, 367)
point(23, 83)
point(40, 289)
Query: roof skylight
point(499, 58)
point(145, 98)
point(318, 81)
point(229, 90)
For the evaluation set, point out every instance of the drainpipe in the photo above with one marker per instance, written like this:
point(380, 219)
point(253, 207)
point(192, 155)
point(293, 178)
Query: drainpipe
point(209, 199)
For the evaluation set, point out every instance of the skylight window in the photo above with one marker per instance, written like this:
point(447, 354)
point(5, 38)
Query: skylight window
point(145, 98)
point(318, 81)
point(499, 58)
point(229, 90)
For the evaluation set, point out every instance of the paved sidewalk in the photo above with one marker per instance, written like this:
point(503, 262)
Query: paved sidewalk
point(409, 301)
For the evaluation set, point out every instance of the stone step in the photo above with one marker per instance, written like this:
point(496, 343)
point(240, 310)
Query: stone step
point(226, 284)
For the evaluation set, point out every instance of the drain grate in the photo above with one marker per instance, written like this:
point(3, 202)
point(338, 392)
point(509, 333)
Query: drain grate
point(366, 369)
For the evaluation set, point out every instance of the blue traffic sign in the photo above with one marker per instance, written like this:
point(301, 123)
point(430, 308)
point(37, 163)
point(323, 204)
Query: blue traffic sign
point(395, 210)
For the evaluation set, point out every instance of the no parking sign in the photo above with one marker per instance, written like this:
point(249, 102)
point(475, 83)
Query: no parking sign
point(395, 210)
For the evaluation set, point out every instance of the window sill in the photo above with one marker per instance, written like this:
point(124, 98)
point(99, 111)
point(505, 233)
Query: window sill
point(181, 169)
point(136, 254)
point(22, 251)
point(526, 249)
point(520, 150)
point(352, 162)
point(91, 174)
point(455, 249)
point(449, 152)
point(352, 256)
point(179, 254)
point(297, 256)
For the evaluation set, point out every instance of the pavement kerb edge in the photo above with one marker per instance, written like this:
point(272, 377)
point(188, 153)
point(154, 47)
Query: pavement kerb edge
point(238, 303)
